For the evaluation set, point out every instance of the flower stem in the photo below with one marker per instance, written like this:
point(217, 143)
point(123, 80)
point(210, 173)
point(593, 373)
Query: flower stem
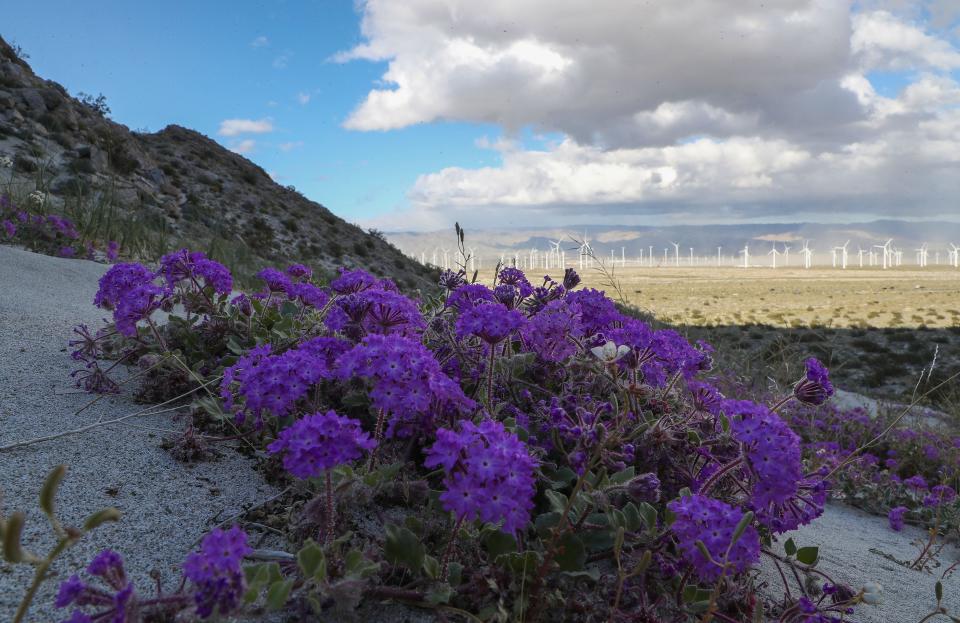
point(445, 559)
point(328, 534)
point(720, 473)
point(493, 355)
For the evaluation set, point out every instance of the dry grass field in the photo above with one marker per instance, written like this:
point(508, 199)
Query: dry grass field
point(819, 297)
point(889, 333)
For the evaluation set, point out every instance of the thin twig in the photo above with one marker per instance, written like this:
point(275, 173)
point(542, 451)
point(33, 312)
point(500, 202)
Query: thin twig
point(151, 410)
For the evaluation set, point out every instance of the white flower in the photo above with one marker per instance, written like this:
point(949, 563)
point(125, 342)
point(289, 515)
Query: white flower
point(609, 352)
point(6, 162)
point(37, 197)
point(871, 593)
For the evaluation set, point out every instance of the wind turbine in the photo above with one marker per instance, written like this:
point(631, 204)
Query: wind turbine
point(885, 249)
point(746, 256)
point(955, 254)
point(718, 256)
point(860, 255)
point(676, 253)
point(786, 255)
point(773, 255)
point(807, 254)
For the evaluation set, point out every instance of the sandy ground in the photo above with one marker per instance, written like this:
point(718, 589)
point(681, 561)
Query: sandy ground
point(856, 548)
point(166, 505)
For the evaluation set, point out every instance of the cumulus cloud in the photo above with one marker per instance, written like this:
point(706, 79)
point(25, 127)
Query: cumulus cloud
point(290, 146)
point(235, 127)
point(260, 42)
point(303, 98)
point(715, 107)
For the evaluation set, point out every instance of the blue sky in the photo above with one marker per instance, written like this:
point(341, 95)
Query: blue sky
point(713, 112)
point(196, 64)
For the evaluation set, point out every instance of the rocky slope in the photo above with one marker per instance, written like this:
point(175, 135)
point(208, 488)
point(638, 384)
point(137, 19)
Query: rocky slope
point(176, 186)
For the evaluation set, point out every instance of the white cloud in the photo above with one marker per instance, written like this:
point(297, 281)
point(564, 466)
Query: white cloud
point(281, 62)
point(289, 146)
point(235, 127)
point(260, 42)
point(718, 107)
point(882, 41)
point(245, 146)
point(303, 98)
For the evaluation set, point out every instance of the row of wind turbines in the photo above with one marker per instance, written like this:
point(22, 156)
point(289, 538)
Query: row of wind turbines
point(884, 256)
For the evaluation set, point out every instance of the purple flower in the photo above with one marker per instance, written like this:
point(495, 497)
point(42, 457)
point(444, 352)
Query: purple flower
point(514, 277)
point(492, 323)
point(917, 483)
point(712, 522)
point(276, 281)
point(599, 312)
point(182, 265)
point(771, 449)
point(352, 281)
point(645, 488)
point(109, 565)
point(274, 384)
point(940, 494)
point(299, 271)
point(216, 571)
point(552, 331)
point(242, 303)
point(470, 295)
point(490, 475)
point(895, 517)
point(70, 591)
point(815, 388)
point(450, 280)
point(570, 279)
point(321, 441)
point(120, 279)
point(67, 252)
point(308, 294)
point(113, 250)
point(406, 380)
point(383, 312)
point(9, 228)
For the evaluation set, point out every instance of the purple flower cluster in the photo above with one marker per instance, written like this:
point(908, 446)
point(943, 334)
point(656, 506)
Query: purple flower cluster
point(895, 517)
point(113, 604)
point(274, 384)
point(489, 474)
point(321, 441)
point(353, 281)
point(216, 571)
point(712, 522)
point(129, 290)
point(553, 332)
point(406, 379)
point(195, 266)
point(492, 322)
point(375, 311)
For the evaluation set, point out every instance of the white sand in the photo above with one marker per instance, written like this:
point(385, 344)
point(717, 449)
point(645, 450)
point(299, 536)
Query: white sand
point(166, 505)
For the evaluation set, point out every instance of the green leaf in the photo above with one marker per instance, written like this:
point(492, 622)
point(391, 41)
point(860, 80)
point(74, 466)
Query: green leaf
point(496, 542)
point(790, 547)
point(560, 478)
point(573, 554)
point(649, 515)
point(724, 423)
point(632, 515)
point(403, 547)
point(808, 555)
point(623, 476)
point(100, 517)
point(745, 521)
point(693, 437)
point(440, 594)
point(558, 501)
point(312, 562)
point(525, 563)
point(13, 527)
point(454, 573)
point(938, 591)
point(278, 593)
point(431, 566)
point(383, 474)
point(357, 565)
point(49, 490)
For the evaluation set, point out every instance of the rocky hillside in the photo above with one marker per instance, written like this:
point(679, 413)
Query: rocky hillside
point(172, 187)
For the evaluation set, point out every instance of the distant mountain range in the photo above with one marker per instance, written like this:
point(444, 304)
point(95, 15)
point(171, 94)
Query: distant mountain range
point(633, 241)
